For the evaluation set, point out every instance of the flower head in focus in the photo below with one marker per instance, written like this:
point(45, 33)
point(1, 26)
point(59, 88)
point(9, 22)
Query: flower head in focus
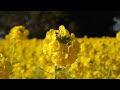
point(60, 46)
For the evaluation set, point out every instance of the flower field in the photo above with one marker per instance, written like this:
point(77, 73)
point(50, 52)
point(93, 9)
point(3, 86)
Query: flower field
point(59, 56)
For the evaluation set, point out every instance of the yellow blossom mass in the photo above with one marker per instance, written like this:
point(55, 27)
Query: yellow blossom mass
point(74, 58)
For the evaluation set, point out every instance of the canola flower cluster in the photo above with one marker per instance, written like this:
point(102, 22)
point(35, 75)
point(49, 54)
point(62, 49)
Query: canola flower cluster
point(59, 56)
point(60, 47)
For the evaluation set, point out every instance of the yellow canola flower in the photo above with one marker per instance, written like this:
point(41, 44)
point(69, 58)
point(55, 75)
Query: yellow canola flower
point(49, 72)
point(5, 67)
point(17, 32)
point(118, 35)
point(23, 71)
point(63, 31)
point(85, 61)
point(97, 74)
point(95, 57)
point(89, 75)
point(60, 47)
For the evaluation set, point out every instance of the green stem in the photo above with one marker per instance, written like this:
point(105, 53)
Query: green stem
point(55, 71)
